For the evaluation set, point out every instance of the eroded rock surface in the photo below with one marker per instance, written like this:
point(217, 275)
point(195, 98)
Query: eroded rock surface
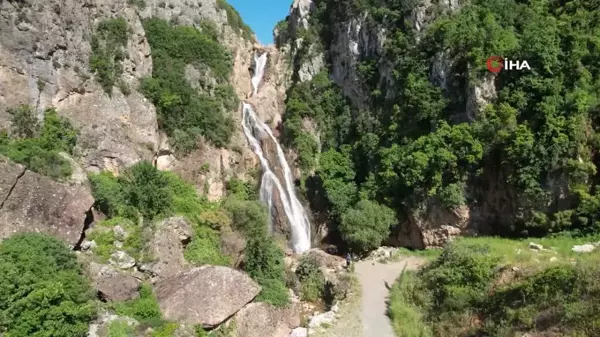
point(30, 202)
point(44, 62)
point(112, 284)
point(265, 320)
point(167, 246)
point(205, 295)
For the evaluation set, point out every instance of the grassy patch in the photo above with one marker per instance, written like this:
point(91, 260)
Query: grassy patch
point(144, 309)
point(38, 146)
point(108, 44)
point(185, 113)
point(500, 287)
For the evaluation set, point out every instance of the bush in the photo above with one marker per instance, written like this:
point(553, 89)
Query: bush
point(183, 112)
point(43, 291)
point(205, 248)
point(235, 20)
point(367, 225)
point(243, 190)
point(144, 309)
point(248, 217)
point(38, 148)
point(108, 43)
point(264, 262)
point(312, 280)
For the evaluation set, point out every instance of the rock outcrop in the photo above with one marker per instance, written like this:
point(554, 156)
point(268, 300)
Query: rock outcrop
point(112, 284)
point(206, 295)
point(30, 202)
point(167, 246)
point(44, 58)
point(265, 320)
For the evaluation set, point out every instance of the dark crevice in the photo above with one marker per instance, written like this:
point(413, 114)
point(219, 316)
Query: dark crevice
point(185, 242)
point(12, 188)
point(89, 219)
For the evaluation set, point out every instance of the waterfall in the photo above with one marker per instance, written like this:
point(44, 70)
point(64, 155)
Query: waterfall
point(256, 130)
point(259, 70)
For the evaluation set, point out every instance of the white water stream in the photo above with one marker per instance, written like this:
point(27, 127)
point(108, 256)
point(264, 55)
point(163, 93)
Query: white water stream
point(255, 130)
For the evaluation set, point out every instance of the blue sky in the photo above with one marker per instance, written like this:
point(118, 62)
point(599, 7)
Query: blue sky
point(262, 15)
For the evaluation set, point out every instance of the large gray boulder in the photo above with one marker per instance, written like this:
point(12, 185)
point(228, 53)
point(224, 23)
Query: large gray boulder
point(207, 295)
point(112, 284)
point(167, 247)
point(30, 202)
point(265, 320)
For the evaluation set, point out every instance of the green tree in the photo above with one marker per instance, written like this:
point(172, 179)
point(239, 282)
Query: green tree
point(43, 291)
point(366, 225)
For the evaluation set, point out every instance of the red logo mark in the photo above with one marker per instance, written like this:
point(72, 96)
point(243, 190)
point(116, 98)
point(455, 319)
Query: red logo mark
point(495, 64)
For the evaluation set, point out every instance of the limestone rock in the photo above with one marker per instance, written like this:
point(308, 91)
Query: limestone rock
point(586, 248)
point(326, 260)
point(299, 332)
point(11, 173)
point(265, 320)
point(44, 62)
point(36, 203)
point(319, 320)
point(167, 246)
point(535, 246)
point(112, 284)
point(206, 295)
point(122, 260)
point(432, 226)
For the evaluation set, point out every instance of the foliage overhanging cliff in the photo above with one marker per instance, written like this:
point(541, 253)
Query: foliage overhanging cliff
point(404, 112)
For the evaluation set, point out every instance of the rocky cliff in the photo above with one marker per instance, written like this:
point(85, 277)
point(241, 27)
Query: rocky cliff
point(391, 87)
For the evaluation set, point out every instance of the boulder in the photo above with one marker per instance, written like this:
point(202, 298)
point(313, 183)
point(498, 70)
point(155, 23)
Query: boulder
point(167, 246)
point(122, 260)
point(320, 320)
point(35, 203)
point(265, 320)
point(112, 284)
point(327, 260)
point(535, 246)
point(299, 332)
point(587, 248)
point(206, 295)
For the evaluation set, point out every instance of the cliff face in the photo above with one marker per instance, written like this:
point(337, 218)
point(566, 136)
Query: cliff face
point(44, 55)
point(410, 75)
point(45, 50)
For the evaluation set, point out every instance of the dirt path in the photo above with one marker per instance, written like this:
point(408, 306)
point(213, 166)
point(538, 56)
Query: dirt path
point(375, 278)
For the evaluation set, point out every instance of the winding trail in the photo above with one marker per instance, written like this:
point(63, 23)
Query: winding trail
point(375, 278)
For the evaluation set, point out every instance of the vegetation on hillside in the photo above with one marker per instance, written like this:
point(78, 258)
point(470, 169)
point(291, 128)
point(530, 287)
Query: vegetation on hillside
point(43, 291)
point(108, 51)
point(493, 287)
point(235, 20)
point(414, 145)
point(185, 112)
point(38, 145)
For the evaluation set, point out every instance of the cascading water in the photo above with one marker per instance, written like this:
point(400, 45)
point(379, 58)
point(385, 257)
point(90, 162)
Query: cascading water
point(253, 128)
point(259, 70)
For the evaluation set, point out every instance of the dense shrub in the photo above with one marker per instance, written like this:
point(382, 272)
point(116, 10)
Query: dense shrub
point(184, 112)
point(264, 262)
point(108, 43)
point(38, 146)
point(468, 281)
point(312, 280)
point(43, 291)
point(413, 142)
point(205, 248)
point(145, 308)
point(235, 20)
point(367, 225)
